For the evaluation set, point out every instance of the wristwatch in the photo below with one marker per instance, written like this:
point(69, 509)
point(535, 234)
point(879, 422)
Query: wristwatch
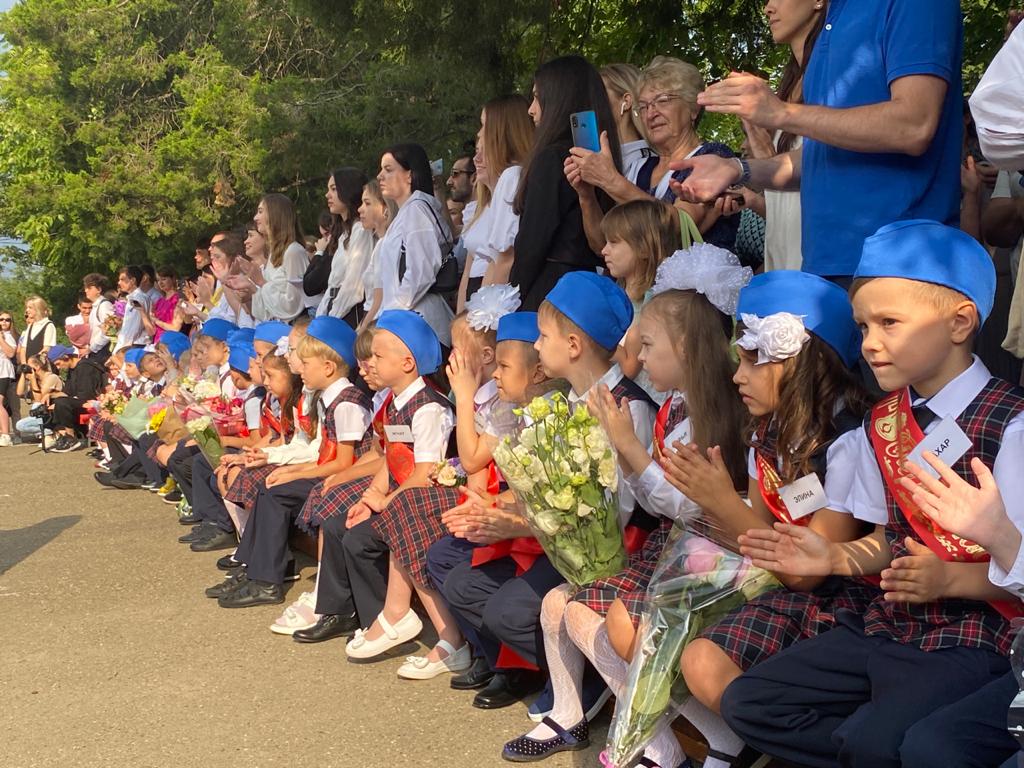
point(744, 179)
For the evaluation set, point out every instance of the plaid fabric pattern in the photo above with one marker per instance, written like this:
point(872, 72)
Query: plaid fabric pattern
point(777, 619)
point(630, 585)
point(350, 394)
point(151, 451)
point(950, 623)
point(412, 523)
point(97, 429)
point(116, 432)
point(246, 487)
point(337, 500)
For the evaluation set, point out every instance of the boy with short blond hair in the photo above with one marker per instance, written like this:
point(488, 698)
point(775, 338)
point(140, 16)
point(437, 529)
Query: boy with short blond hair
point(940, 631)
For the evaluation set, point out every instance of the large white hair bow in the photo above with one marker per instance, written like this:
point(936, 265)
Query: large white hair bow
point(491, 303)
point(776, 337)
point(707, 269)
point(282, 347)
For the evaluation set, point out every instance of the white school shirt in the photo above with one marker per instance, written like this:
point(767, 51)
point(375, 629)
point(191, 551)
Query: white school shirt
point(431, 426)
point(643, 423)
point(371, 277)
point(252, 408)
point(281, 296)
point(998, 103)
point(416, 227)
point(841, 469)
point(348, 268)
point(133, 332)
point(484, 400)
point(227, 386)
point(653, 491)
point(350, 420)
point(49, 333)
point(301, 449)
point(101, 310)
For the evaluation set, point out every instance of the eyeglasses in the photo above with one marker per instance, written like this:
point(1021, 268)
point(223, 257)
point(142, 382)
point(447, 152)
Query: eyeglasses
point(659, 103)
point(456, 174)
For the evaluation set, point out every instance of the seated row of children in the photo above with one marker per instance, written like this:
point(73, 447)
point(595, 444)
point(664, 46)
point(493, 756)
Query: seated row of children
point(886, 640)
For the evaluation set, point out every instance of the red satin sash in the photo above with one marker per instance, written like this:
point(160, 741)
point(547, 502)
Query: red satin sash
point(768, 482)
point(894, 434)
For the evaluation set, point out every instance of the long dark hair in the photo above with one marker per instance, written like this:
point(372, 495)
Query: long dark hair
point(791, 87)
point(348, 183)
point(413, 158)
point(566, 85)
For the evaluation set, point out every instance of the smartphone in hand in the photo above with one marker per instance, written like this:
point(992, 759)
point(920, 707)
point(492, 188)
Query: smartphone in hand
point(584, 130)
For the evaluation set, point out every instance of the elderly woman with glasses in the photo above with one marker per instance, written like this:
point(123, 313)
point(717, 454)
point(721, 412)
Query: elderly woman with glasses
point(666, 106)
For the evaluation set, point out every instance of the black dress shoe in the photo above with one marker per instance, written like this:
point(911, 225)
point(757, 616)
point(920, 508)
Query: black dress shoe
point(329, 626)
point(507, 687)
point(252, 593)
point(477, 676)
point(189, 519)
point(108, 480)
point(198, 533)
point(230, 583)
point(228, 563)
point(216, 540)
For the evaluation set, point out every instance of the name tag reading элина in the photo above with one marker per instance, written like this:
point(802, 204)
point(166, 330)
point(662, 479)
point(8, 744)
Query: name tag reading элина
point(804, 496)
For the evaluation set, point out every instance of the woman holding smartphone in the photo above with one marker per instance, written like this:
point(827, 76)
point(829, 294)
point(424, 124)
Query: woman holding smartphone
point(551, 240)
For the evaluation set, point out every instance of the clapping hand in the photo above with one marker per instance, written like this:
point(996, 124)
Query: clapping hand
point(794, 550)
point(918, 577)
point(748, 97)
point(975, 513)
point(616, 418)
point(705, 481)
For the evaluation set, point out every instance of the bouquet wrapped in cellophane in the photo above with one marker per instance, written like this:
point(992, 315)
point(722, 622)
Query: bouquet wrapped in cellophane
point(200, 426)
point(558, 461)
point(111, 403)
point(696, 583)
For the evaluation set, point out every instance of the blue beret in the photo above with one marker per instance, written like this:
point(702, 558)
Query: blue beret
point(177, 343)
point(336, 334)
point(58, 351)
point(134, 356)
point(239, 356)
point(416, 334)
point(518, 326)
point(271, 331)
point(824, 306)
point(218, 328)
point(241, 336)
point(930, 252)
point(596, 304)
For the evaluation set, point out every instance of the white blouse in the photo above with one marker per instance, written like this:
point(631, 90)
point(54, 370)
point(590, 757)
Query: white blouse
point(416, 228)
point(371, 276)
point(474, 237)
point(347, 273)
point(281, 296)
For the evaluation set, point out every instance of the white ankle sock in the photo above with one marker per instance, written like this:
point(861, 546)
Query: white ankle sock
point(721, 738)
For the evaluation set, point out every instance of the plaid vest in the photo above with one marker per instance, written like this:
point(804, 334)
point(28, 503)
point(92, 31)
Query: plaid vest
point(400, 457)
point(954, 622)
point(329, 444)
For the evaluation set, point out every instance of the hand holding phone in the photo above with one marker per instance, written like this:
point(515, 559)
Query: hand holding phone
point(584, 130)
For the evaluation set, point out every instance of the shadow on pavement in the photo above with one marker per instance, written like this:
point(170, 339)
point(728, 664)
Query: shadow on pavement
point(19, 543)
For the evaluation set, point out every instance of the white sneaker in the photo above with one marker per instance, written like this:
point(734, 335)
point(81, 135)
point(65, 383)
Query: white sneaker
point(5, 441)
point(418, 668)
point(299, 615)
point(404, 630)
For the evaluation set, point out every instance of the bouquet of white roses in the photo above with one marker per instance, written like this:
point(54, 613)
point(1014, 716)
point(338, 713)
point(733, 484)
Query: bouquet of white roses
point(562, 468)
point(696, 583)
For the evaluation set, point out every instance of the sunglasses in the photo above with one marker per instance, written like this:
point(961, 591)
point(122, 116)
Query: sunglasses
point(5, 319)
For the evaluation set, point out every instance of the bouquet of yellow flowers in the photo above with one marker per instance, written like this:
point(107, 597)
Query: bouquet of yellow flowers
point(112, 403)
point(562, 469)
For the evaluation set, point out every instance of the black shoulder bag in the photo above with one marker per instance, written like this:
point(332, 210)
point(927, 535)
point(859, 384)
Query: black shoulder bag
point(447, 279)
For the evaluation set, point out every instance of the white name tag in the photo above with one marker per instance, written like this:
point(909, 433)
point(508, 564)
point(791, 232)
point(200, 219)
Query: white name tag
point(947, 441)
point(803, 496)
point(398, 433)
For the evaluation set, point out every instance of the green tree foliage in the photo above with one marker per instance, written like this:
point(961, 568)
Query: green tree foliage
point(130, 127)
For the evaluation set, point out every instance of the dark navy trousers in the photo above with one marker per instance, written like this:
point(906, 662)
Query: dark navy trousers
point(207, 503)
point(849, 699)
point(353, 570)
point(264, 546)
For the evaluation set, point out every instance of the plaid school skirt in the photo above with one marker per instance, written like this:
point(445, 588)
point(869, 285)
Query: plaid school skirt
point(97, 429)
point(322, 505)
point(777, 619)
point(116, 432)
point(412, 523)
point(629, 585)
point(246, 487)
